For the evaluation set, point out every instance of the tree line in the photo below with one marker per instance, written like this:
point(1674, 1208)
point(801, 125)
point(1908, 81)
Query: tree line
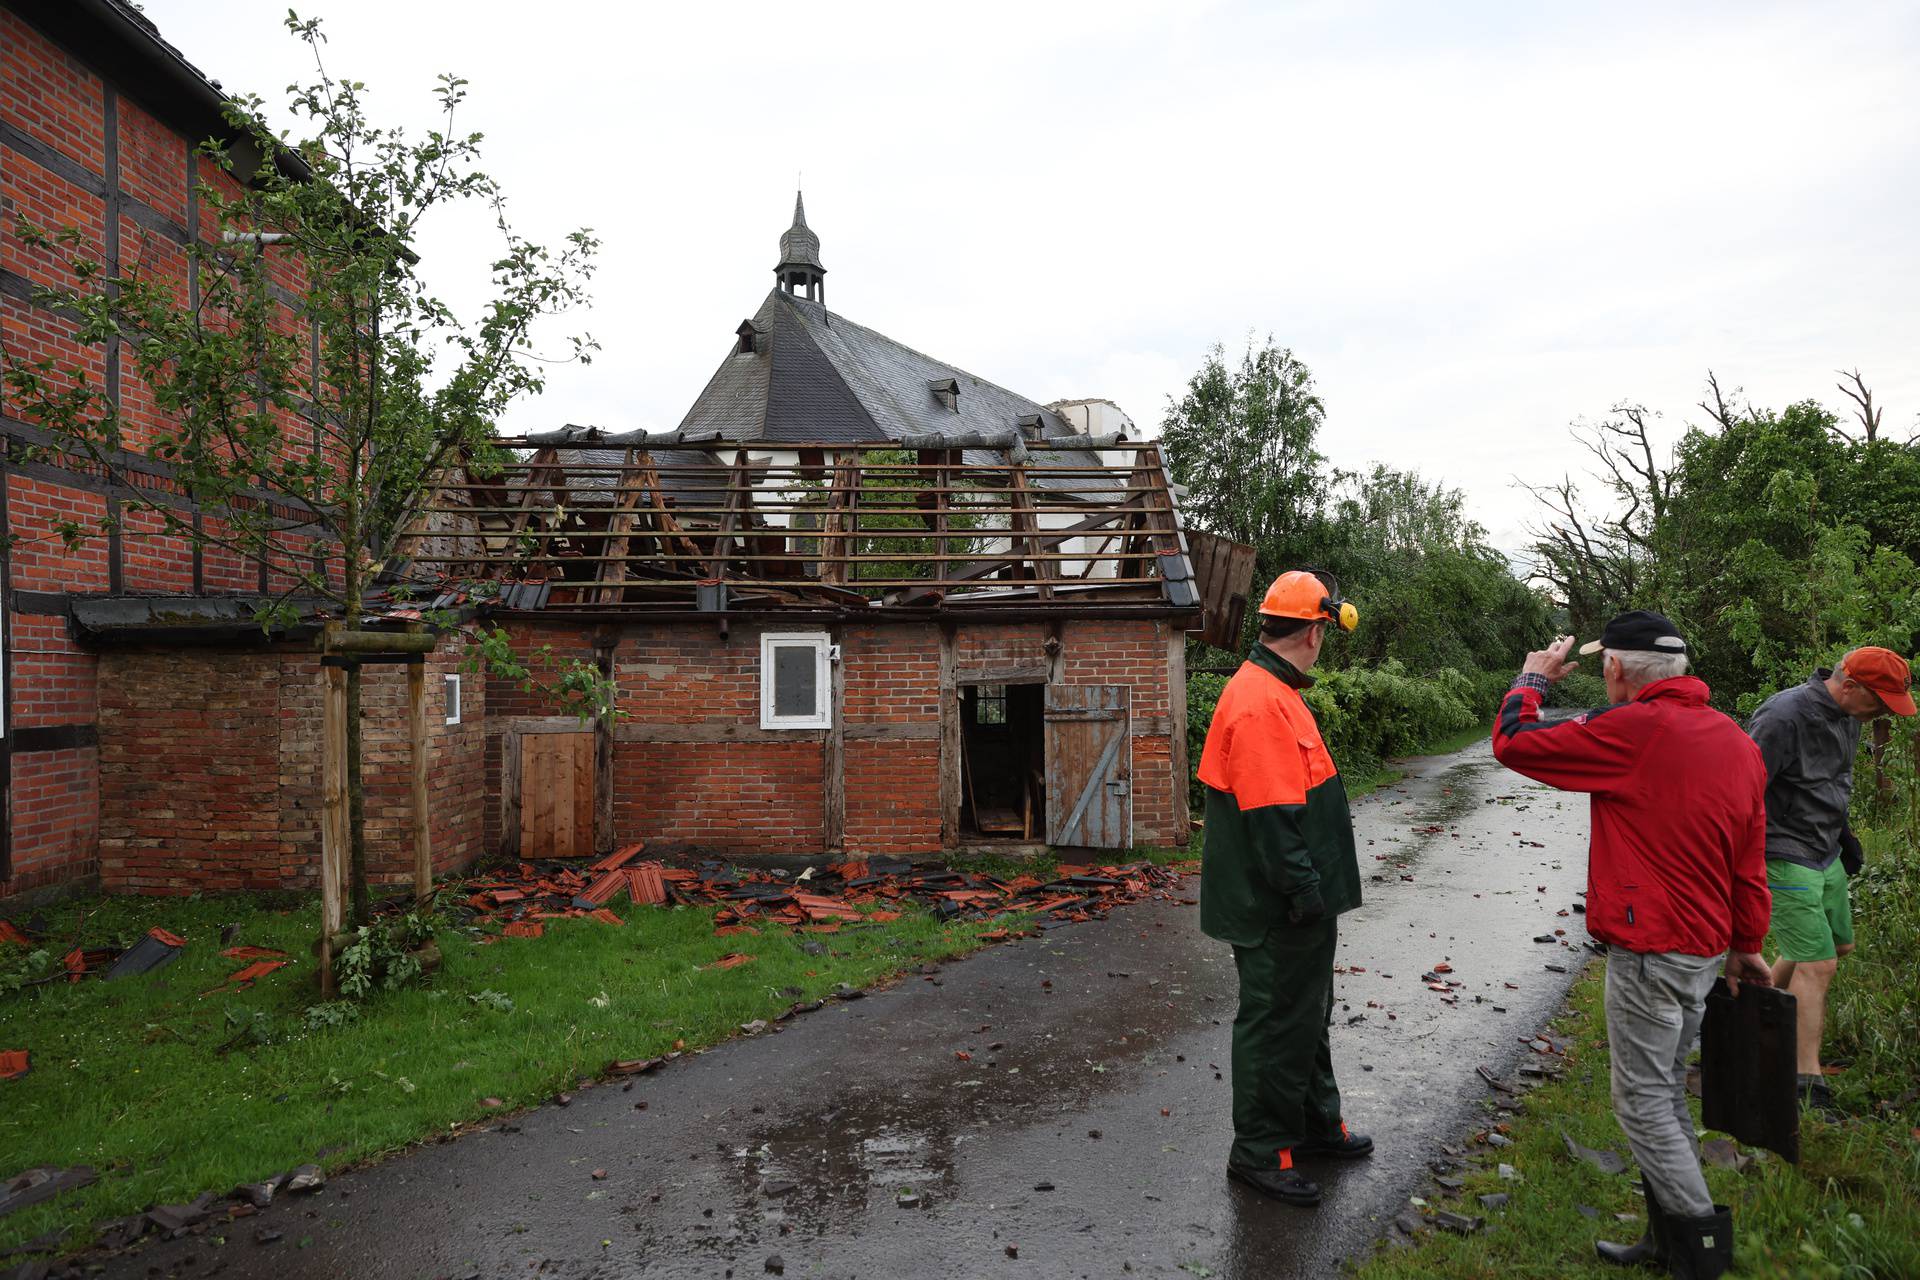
point(1776, 540)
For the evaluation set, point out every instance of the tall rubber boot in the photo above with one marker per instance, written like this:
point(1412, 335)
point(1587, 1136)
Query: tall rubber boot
point(1650, 1249)
point(1701, 1248)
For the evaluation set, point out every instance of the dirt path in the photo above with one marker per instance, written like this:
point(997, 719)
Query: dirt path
point(859, 1142)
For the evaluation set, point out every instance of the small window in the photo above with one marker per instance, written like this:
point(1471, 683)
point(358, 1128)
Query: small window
point(990, 704)
point(794, 681)
point(453, 698)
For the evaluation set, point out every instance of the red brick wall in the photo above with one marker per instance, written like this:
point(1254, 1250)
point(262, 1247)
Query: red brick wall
point(59, 105)
point(693, 768)
point(210, 772)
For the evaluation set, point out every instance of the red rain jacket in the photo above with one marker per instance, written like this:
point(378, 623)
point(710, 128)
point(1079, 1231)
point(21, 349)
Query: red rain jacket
point(1679, 830)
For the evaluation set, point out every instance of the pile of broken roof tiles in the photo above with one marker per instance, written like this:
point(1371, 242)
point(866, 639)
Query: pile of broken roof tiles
point(522, 896)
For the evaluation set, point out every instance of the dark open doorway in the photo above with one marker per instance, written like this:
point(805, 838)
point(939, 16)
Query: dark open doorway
point(1003, 758)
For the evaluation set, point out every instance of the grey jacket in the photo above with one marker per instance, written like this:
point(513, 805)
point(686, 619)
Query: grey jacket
point(1809, 745)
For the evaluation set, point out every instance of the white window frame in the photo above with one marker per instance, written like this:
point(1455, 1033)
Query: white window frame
point(450, 681)
point(823, 656)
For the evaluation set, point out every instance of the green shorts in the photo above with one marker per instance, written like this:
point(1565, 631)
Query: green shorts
point(1811, 915)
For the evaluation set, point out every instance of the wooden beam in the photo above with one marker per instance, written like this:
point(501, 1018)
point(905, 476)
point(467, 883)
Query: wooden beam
point(619, 525)
point(835, 524)
point(833, 758)
point(603, 759)
point(1177, 731)
point(413, 640)
point(510, 783)
point(418, 749)
point(951, 744)
point(1053, 537)
point(739, 483)
point(333, 818)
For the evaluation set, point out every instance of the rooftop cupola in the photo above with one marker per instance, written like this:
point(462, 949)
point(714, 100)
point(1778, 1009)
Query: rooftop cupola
point(800, 272)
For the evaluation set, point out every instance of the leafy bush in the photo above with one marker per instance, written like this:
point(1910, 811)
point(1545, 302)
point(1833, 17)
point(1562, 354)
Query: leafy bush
point(1366, 715)
point(21, 968)
point(1369, 716)
point(382, 956)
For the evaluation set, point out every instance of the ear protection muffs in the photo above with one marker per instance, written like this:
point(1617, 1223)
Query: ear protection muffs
point(1341, 612)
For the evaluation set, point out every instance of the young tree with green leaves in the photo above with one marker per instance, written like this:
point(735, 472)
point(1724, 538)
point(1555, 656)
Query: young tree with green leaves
point(315, 372)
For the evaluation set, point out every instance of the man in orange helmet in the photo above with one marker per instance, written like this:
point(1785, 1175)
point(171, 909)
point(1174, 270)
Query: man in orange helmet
point(1278, 868)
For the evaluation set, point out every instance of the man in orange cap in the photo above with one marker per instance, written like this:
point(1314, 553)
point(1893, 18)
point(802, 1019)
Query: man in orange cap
point(1278, 867)
point(1809, 736)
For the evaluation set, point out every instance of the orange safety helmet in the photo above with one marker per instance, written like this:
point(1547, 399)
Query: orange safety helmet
point(1299, 593)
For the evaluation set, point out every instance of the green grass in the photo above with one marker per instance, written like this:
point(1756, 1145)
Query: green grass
point(128, 1077)
point(1849, 1211)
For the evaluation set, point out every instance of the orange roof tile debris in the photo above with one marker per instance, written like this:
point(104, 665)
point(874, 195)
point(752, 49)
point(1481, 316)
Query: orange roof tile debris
point(14, 1063)
point(853, 893)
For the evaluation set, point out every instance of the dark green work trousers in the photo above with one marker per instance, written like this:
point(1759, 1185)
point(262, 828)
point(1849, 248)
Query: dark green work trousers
point(1283, 1088)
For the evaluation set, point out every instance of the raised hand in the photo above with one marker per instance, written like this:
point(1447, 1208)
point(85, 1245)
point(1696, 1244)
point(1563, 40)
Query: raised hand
point(1551, 661)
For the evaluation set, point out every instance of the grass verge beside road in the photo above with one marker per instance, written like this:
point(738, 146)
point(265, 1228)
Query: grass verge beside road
point(1849, 1211)
point(131, 1076)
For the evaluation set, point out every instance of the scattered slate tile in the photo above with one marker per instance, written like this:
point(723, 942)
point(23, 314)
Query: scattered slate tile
point(1459, 1223)
point(1587, 1211)
point(306, 1178)
point(1724, 1153)
point(34, 1185)
point(1604, 1161)
point(1494, 1200)
point(172, 1218)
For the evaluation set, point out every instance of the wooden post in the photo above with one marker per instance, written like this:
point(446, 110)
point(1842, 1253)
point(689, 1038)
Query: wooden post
point(952, 745)
point(603, 753)
point(333, 811)
point(1177, 732)
point(510, 770)
point(417, 748)
point(833, 756)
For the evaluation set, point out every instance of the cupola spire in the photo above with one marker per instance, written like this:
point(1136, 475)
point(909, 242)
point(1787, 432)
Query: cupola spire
point(800, 272)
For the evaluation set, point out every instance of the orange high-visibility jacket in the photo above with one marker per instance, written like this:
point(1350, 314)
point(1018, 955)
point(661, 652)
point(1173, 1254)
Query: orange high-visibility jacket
point(1278, 825)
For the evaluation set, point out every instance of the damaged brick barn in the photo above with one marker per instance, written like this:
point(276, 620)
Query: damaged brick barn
point(858, 601)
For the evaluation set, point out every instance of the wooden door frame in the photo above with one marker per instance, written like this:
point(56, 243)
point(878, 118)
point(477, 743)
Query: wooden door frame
point(1122, 747)
point(509, 730)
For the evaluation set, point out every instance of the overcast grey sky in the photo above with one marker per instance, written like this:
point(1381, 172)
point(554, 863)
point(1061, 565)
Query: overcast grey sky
point(1475, 221)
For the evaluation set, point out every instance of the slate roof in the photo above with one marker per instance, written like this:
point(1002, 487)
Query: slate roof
point(817, 377)
point(799, 245)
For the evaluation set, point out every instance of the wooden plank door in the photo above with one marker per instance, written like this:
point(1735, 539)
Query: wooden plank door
point(556, 795)
point(1089, 766)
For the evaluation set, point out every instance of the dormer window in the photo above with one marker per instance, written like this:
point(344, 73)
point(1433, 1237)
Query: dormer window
point(1032, 425)
point(746, 339)
point(947, 392)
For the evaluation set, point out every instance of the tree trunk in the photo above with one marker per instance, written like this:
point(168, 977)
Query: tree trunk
point(356, 805)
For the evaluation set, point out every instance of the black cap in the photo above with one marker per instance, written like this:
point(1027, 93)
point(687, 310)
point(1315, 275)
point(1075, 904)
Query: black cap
point(1639, 629)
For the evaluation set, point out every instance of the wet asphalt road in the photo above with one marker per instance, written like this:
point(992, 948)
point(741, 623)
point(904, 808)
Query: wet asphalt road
point(802, 1144)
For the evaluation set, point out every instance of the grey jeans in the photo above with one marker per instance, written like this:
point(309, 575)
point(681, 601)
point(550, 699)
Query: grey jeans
point(1654, 1006)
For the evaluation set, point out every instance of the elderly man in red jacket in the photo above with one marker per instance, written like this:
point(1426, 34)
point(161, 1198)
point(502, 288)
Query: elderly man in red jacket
point(1677, 879)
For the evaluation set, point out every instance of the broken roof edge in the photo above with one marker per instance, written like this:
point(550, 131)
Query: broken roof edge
point(110, 620)
point(983, 612)
point(574, 436)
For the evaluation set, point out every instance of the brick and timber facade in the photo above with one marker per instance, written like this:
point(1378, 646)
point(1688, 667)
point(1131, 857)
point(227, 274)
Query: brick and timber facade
point(999, 660)
point(693, 770)
point(100, 122)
